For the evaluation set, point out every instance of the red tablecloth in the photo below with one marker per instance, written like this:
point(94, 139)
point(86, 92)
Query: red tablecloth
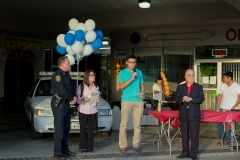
point(207, 116)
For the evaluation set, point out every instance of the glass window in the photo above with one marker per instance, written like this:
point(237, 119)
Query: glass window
point(207, 75)
point(234, 68)
point(217, 51)
point(44, 88)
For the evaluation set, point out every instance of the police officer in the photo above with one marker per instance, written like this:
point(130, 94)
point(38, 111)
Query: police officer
point(64, 92)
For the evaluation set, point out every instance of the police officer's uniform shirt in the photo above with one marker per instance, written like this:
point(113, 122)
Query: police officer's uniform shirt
point(63, 85)
point(230, 95)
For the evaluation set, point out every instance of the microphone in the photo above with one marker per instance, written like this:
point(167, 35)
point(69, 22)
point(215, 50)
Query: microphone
point(134, 70)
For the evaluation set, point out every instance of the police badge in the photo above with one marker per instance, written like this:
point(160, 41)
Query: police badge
point(58, 78)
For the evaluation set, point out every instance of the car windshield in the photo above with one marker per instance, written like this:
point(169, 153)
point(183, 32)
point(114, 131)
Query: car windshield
point(45, 88)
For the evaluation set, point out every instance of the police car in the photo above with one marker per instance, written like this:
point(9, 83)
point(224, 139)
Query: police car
point(37, 105)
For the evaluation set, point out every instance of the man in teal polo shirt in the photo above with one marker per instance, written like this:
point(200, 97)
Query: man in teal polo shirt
point(131, 83)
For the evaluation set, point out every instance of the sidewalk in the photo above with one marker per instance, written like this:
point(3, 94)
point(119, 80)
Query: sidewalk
point(18, 144)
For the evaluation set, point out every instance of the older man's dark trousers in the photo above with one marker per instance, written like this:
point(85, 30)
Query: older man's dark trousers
point(62, 117)
point(193, 127)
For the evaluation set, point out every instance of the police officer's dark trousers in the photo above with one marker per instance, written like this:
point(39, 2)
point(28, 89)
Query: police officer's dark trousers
point(62, 117)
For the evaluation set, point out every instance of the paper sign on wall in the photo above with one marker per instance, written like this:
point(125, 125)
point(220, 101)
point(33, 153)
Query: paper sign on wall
point(213, 79)
point(205, 80)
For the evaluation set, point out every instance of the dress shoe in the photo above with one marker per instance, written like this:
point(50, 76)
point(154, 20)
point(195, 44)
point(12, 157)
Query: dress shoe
point(182, 156)
point(70, 153)
point(194, 158)
point(84, 150)
point(60, 156)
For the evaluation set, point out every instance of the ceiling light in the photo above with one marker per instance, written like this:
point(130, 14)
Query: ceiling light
point(144, 3)
point(105, 42)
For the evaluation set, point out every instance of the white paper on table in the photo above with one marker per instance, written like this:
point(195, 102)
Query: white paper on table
point(206, 79)
point(213, 79)
point(95, 95)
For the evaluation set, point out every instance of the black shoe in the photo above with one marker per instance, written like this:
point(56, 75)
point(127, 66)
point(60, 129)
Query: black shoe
point(194, 158)
point(61, 156)
point(182, 156)
point(84, 151)
point(90, 150)
point(70, 153)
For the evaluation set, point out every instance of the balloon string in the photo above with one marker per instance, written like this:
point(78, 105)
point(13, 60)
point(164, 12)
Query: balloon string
point(77, 72)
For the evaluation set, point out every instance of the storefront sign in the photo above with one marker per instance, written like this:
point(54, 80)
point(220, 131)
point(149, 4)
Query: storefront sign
point(22, 43)
point(219, 53)
point(3, 54)
point(120, 51)
point(233, 34)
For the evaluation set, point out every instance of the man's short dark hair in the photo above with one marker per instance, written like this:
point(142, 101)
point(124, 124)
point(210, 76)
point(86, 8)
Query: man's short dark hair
point(228, 74)
point(61, 60)
point(158, 79)
point(130, 56)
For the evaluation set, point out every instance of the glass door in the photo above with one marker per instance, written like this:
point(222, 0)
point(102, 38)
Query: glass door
point(207, 75)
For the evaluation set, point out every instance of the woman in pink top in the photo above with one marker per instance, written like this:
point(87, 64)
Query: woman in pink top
point(87, 115)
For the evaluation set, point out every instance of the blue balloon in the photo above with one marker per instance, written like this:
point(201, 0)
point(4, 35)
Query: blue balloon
point(79, 35)
point(99, 34)
point(97, 44)
point(69, 38)
point(60, 49)
point(88, 43)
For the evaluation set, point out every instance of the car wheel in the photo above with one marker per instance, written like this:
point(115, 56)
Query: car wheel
point(109, 132)
point(34, 133)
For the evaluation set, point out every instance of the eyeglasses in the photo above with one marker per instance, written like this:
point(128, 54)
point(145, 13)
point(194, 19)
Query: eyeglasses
point(190, 75)
point(131, 62)
point(92, 75)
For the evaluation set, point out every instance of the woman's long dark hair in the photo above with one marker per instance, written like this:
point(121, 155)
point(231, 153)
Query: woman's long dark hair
point(86, 77)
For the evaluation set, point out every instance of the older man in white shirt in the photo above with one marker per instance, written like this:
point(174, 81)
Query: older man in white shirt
point(228, 99)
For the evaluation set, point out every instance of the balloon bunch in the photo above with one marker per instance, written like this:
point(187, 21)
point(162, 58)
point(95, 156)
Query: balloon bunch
point(81, 40)
point(165, 83)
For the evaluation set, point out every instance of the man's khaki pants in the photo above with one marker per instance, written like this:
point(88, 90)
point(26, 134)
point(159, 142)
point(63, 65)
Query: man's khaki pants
point(127, 107)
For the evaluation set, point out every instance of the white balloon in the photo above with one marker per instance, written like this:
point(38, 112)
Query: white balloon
point(72, 23)
point(90, 25)
point(60, 40)
point(79, 56)
point(69, 50)
point(90, 36)
point(71, 59)
point(80, 26)
point(73, 32)
point(77, 47)
point(83, 42)
point(87, 50)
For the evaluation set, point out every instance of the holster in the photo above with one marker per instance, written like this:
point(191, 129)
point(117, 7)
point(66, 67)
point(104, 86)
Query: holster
point(58, 100)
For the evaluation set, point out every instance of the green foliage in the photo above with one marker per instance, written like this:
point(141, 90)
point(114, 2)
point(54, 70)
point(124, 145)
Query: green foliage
point(208, 69)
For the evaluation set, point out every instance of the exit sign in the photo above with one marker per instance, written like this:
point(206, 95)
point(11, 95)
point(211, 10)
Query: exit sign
point(220, 52)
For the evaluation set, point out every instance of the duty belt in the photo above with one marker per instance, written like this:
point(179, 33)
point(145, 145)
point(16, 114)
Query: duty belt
point(65, 100)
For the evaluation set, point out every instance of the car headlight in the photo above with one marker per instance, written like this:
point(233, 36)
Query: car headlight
point(104, 112)
point(43, 113)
